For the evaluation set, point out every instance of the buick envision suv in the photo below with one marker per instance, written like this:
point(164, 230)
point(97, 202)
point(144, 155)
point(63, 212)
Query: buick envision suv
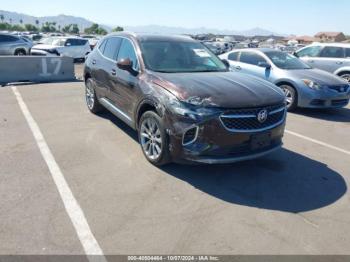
point(182, 99)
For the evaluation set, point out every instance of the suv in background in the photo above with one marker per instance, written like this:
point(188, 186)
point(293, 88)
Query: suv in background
point(332, 57)
point(74, 47)
point(183, 100)
point(14, 45)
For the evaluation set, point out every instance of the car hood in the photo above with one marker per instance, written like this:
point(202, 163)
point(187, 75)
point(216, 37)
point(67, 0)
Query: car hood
point(321, 77)
point(220, 89)
point(44, 47)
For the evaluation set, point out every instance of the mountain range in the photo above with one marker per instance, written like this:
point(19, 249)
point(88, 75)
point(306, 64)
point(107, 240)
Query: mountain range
point(83, 23)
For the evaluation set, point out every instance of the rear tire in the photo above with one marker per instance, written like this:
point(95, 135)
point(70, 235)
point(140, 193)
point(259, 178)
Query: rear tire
point(91, 99)
point(291, 97)
point(153, 139)
point(20, 52)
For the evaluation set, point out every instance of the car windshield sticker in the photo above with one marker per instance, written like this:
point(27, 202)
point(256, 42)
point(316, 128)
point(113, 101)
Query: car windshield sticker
point(201, 52)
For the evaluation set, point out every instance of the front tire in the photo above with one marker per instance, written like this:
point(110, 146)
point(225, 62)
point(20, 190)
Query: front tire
point(291, 97)
point(20, 52)
point(345, 76)
point(153, 139)
point(91, 99)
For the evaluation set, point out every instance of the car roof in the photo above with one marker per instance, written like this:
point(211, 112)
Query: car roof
point(345, 45)
point(154, 37)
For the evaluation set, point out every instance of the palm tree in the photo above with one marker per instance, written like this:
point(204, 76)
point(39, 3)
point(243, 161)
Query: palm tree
point(2, 18)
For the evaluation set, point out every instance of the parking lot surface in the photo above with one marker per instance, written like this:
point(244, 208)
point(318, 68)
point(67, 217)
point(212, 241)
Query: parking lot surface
point(294, 201)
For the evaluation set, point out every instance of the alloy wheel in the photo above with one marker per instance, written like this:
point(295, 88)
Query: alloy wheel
point(151, 139)
point(289, 96)
point(90, 95)
point(346, 77)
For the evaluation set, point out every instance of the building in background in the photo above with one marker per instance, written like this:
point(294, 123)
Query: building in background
point(327, 37)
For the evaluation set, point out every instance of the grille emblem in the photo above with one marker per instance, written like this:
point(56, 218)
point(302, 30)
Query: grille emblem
point(262, 116)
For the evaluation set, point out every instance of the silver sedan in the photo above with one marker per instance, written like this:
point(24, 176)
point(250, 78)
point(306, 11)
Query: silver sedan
point(302, 85)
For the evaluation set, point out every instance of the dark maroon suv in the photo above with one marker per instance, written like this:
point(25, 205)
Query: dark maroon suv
point(183, 100)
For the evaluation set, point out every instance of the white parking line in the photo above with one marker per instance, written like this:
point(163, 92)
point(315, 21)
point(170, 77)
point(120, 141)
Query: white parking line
point(71, 205)
point(318, 142)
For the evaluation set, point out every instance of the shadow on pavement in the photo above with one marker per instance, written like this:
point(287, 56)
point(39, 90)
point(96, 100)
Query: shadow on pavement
point(284, 181)
point(333, 115)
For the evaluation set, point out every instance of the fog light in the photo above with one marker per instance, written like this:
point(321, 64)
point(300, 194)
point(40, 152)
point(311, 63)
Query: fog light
point(190, 136)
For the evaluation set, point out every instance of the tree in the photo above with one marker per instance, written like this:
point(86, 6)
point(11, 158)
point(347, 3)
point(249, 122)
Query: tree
point(95, 29)
point(31, 28)
point(118, 29)
point(2, 18)
point(48, 27)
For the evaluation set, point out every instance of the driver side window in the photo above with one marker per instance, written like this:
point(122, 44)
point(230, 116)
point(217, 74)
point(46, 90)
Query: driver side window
point(312, 51)
point(251, 58)
point(127, 51)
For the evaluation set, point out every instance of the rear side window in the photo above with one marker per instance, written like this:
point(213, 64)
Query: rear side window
point(347, 52)
point(332, 52)
point(102, 46)
point(233, 56)
point(312, 51)
point(127, 51)
point(76, 42)
point(112, 47)
point(251, 58)
point(8, 38)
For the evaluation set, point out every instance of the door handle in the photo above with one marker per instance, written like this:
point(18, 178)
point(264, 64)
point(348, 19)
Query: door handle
point(238, 68)
point(113, 72)
point(94, 62)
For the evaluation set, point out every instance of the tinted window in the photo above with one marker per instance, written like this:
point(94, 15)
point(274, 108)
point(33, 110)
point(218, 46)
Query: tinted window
point(233, 56)
point(111, 48)
point(76, 42)
point(127, 51)
point(312, 51)
point(286, 61)
point(102, 46)
point(332, 52)
point(8, 38)
point(179, 56)
point(251, 58)
point(347, 52)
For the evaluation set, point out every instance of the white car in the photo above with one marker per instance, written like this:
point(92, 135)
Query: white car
point(74, 47)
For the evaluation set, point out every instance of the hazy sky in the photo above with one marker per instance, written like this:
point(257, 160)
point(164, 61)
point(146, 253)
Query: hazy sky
point(280, 16)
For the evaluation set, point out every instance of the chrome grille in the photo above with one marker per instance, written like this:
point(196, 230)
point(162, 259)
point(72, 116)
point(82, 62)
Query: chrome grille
point(246, 120)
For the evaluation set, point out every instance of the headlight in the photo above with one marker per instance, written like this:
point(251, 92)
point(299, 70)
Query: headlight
point(313, 85)
point(190, 109)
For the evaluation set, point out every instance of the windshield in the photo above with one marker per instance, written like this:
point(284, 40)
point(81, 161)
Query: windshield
point(286, 61)
point(179, 57)
point(53, 41)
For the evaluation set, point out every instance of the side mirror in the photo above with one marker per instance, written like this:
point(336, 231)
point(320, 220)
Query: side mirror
point(126, 64)
point(227, 64)
point(265, 65)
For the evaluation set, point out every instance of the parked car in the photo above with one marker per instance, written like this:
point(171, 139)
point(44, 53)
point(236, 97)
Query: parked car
point(74, 47)
point(333, 58)
point(213, 47)
point(303, 86)
point(14, 45)
point(184, 102)
point(93, 40)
